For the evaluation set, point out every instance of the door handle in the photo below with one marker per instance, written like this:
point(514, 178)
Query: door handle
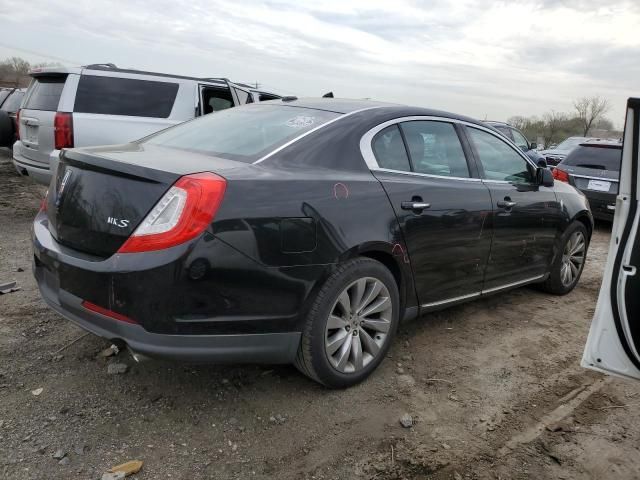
point(507, 204)
point(414, 205)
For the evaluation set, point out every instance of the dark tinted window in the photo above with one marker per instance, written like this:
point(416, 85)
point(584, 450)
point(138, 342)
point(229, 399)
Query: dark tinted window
point(389, 150)
point(435, 148)
point(12, 104)
point(267, 96)
point(125, 96)
point(498, 159)
point(244, 133)
point(601, 158)
point(44, 93)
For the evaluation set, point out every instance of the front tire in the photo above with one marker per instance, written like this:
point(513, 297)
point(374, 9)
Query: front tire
point(569, 263)
point(350, 325)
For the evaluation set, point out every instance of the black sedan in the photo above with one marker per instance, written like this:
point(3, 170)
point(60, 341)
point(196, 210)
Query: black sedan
point(299, 231)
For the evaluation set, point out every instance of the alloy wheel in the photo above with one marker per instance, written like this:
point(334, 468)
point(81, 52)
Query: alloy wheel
point(358, 325)
point(573, 258)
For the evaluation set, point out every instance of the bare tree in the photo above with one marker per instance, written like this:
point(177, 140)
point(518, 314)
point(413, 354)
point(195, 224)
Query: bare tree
point(590, 110)
point(552, 124)
point(14, 72)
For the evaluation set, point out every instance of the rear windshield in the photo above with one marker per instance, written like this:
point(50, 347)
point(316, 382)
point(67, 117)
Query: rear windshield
point(600, 158)
point(125, 96)
point(243, 133)
point(44, 93)
point(12, 104)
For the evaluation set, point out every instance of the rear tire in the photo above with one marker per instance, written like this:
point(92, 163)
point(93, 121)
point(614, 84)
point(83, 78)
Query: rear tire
point(350, 325)
point(569, 263)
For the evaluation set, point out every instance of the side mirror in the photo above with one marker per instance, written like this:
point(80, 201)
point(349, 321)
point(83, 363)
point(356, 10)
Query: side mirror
point(542, 163)
point(533, 146)
point(544, 177)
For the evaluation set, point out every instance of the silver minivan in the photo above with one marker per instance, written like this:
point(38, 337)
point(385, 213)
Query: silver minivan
point(102, 104)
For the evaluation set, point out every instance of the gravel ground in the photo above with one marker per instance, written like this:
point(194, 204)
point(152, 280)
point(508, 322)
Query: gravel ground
point(493, 388)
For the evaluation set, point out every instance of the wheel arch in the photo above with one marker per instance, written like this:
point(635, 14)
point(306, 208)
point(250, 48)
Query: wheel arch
point(586, 219)
point(396, 259)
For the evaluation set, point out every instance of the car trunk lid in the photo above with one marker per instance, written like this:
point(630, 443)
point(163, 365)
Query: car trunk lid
point(101, 194)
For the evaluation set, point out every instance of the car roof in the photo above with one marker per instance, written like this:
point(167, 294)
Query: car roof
point(110, 67)
point(346, 105)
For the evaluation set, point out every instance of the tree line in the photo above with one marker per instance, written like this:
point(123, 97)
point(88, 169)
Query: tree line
point(553, 127)
point(588, 116)
point(14, 71)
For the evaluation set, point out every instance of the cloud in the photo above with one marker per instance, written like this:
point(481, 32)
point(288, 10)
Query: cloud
point(493, 58)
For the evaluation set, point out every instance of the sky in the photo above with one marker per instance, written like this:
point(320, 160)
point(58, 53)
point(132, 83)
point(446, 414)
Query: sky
point(486, 59)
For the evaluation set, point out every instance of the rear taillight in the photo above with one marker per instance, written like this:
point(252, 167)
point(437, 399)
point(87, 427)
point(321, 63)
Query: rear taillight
point(18, 125)
point(63, 130)
point(183, 213)
point(560, 175)
point(106, 312)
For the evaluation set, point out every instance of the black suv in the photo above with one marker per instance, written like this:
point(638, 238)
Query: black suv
point(594, 168)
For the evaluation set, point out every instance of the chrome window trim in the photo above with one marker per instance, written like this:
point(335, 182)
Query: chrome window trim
point(417, 174)
point(604, 179)
point(309, 132)
point(366, 148)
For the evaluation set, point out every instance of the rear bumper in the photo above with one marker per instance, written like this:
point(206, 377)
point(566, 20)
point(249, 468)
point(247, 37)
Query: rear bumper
point(250, 311)
point(39, 172)
point(603, 206)
point(244, 348)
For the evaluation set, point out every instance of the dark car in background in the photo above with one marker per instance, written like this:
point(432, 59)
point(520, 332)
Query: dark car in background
point(594, 168)
point(299, 231)
point(517, 137)
point(559, 152)
point(10, 100)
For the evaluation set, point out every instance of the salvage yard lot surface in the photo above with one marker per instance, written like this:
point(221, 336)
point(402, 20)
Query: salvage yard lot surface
point(494, 388)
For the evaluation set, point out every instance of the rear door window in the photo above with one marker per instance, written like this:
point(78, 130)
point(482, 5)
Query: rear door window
point(125, 96)
point(44, 93)
point(435, 148)
point(599, 158)
point(215, 99)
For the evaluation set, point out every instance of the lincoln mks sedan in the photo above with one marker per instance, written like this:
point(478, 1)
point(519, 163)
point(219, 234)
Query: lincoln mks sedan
point(299, 231)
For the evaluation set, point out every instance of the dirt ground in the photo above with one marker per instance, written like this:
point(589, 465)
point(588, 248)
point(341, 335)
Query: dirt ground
point(494, 388)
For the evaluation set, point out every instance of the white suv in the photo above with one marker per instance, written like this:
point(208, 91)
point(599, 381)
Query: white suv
point(102, 104)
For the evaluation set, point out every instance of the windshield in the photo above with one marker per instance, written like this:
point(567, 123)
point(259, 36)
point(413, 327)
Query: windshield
point(242, 133)
point(569, 144)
